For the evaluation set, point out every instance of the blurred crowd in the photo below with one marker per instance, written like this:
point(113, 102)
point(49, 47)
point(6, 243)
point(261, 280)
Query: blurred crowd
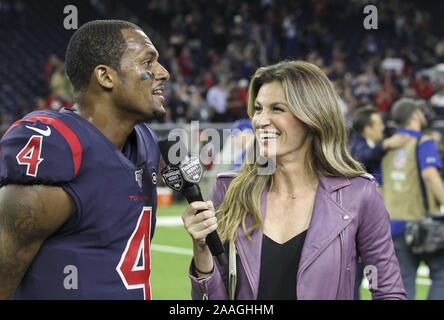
point(212, 51)
point(213, 48)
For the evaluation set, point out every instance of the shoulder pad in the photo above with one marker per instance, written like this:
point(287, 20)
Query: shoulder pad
point(39, 149)
point(367, 176)
point(229, 174)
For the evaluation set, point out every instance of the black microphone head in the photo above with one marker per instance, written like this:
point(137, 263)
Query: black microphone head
point(182, 170)
point(173, 152)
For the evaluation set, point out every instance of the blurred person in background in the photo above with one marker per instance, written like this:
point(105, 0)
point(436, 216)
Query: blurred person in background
point(437, 102)
point(424, 87)
point(402, 169)
point(217, 97)
point(368, 146)
point(439, 49)
point(385, 96)
point(52, 62)
point(60, 85)
point(197, 106)
point(236, 102)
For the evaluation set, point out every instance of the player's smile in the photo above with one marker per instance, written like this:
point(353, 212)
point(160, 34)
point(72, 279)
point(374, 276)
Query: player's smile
point(158, 91)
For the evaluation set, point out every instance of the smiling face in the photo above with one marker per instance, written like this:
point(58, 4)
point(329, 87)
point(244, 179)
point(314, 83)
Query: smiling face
point(139, 90)
point(279, 133)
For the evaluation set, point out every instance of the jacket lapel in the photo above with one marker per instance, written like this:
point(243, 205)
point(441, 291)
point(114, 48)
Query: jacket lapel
point(250, 251)
point(328, 220)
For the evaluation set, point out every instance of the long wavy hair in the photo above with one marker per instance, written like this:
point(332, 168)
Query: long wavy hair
point(313, 100)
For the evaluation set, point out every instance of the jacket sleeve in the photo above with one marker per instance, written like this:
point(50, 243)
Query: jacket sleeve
point(375, 245)
point(213, 287)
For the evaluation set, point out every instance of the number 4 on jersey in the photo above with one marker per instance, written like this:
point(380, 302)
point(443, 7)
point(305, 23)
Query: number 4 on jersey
point(138, 246)
point(30, 155)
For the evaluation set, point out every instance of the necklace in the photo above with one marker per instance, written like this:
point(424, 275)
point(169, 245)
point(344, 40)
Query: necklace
point(295, 195)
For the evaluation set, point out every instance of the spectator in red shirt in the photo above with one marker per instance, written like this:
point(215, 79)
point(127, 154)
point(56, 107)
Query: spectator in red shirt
point(50, 66)
point(424, 87)
point(185, 63)
point(386, 96)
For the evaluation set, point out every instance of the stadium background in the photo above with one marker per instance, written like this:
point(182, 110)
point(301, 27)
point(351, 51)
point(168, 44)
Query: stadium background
point(218, 44)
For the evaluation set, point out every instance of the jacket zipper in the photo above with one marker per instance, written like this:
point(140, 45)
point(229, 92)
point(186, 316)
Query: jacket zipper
point(249, 276)
point(341, 243)
point(349, 277)
point(340, 269)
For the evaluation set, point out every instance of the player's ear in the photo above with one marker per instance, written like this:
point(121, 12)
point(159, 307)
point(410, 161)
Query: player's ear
point(106, 76)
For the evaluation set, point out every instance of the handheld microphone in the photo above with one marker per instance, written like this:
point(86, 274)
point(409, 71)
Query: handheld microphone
point(183, 175)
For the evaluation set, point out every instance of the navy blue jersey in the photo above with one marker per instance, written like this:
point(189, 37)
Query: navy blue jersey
point(103, 250)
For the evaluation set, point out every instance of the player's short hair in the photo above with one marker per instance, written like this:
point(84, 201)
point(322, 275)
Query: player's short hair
point(96, 42)
point(402, 110)
point(362, 118)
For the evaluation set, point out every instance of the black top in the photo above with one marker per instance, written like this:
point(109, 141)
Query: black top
point(279, 267)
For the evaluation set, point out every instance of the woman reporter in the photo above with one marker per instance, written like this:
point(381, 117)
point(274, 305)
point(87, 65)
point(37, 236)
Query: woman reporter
point(299, 219)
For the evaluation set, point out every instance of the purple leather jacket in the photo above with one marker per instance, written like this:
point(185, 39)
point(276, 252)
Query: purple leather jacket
point(348, 216)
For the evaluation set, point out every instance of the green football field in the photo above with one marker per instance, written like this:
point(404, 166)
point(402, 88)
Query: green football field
point(171, 253)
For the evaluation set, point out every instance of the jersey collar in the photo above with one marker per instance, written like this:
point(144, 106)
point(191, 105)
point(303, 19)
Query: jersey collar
point(410, 132)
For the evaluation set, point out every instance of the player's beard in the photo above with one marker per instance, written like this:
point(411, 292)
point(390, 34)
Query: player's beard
point(159, 114)
point(159, 111)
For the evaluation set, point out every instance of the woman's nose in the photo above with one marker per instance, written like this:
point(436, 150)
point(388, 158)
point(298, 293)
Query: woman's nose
point(261, 120)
